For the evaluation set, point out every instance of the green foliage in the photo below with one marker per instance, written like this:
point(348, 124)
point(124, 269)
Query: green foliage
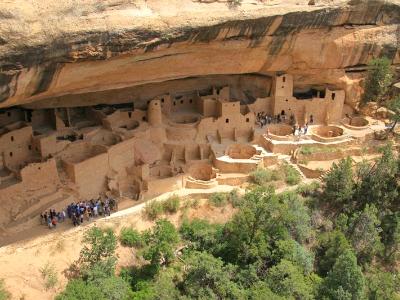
point(292, 176)
point(339, 183)
point(292, 251)
point(208, 278)
point(261, 291)
point(262, 219)
point(4, 294)
point(161, 243)
point(377, 184)
point(308, 190)
point(394, 106)
point(345, 280)
point(262, 176)
point(382, 285)
point(378, 80)
point(153, 209)
point(97, 257)
point(391, 236)
point(234, 198)
point(364, 232)
point(330, 246)
point(131, 238)
point(307, 150)
point(110, 288)
point(49, 276)
point(287, 280)
point(201, 234)
point(171, 205)
point(218, 199)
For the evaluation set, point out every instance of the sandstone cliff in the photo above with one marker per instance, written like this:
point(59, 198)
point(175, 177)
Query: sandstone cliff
point(78, 52)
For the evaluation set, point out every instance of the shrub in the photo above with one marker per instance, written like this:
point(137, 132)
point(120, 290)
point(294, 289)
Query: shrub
point(218, 199)
point(234, 198)
point(130, 237)
point(292, 176)
point(153, 209)
point(171, 205)
point(306, 190)
point(261, 176)
point(4, 294)
point(49, 276)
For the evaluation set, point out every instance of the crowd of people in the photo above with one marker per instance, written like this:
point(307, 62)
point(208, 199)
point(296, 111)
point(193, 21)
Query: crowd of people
point(79, 212)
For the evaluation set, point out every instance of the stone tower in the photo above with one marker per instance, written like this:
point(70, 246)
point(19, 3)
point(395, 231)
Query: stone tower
point(154, 114)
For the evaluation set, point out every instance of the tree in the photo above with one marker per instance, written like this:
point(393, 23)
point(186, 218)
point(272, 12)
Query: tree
point(161, 243)
point(394, 106)
point(391, 236)
point(201, 234)
point(345, 281)
point(208, 278)
point(377, 183)
point(382, 285)
point(364, 232)
point(261, 291)
point(378, 80)
point(330, 246)
point(246, 239)
point(288, 280)
point(339, 183)
point(292, 251)
point(97, 257)
point(110, 288)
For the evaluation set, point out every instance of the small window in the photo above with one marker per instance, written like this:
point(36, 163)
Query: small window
point(129, 115)
point(283, 78)
point(9, 114)
point(143, 118)
point(148, 101)
point(174, 103)
point(11, 154)
point(162, 100)
point(287, 100)
point(191, 101)
point(247, 120)
point(333, 96)
point(29, 147)
point(39, 168)
point(155, 103)
point(12, 139)
point(226, 120)
point(181, 101)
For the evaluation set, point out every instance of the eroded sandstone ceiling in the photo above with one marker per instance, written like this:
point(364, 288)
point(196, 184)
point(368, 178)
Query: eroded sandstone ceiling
point(69, 53)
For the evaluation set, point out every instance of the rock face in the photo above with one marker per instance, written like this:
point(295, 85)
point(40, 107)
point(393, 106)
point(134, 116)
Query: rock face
point(74, 53)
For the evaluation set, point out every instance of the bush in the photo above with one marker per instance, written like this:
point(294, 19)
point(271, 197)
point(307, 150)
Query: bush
point(218, 199)
point(49, 276)
point(130, 237)
point(292, 176)
point(4, 294)
point(153, 209)
point(261, 176)
point(234, 198)
point(171, 205)
point(307, 190)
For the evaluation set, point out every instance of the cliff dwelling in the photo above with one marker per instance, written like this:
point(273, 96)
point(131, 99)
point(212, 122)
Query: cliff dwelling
point(192, 139)
point(147, 144)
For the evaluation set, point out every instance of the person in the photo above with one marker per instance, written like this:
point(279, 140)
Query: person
point(54, 222)
point(296, 131)
point(311, 119)
point(95, 210)
point(306, 128)
point(49, 223)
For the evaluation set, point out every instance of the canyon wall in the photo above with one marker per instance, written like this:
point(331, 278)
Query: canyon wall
point(122, 49)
